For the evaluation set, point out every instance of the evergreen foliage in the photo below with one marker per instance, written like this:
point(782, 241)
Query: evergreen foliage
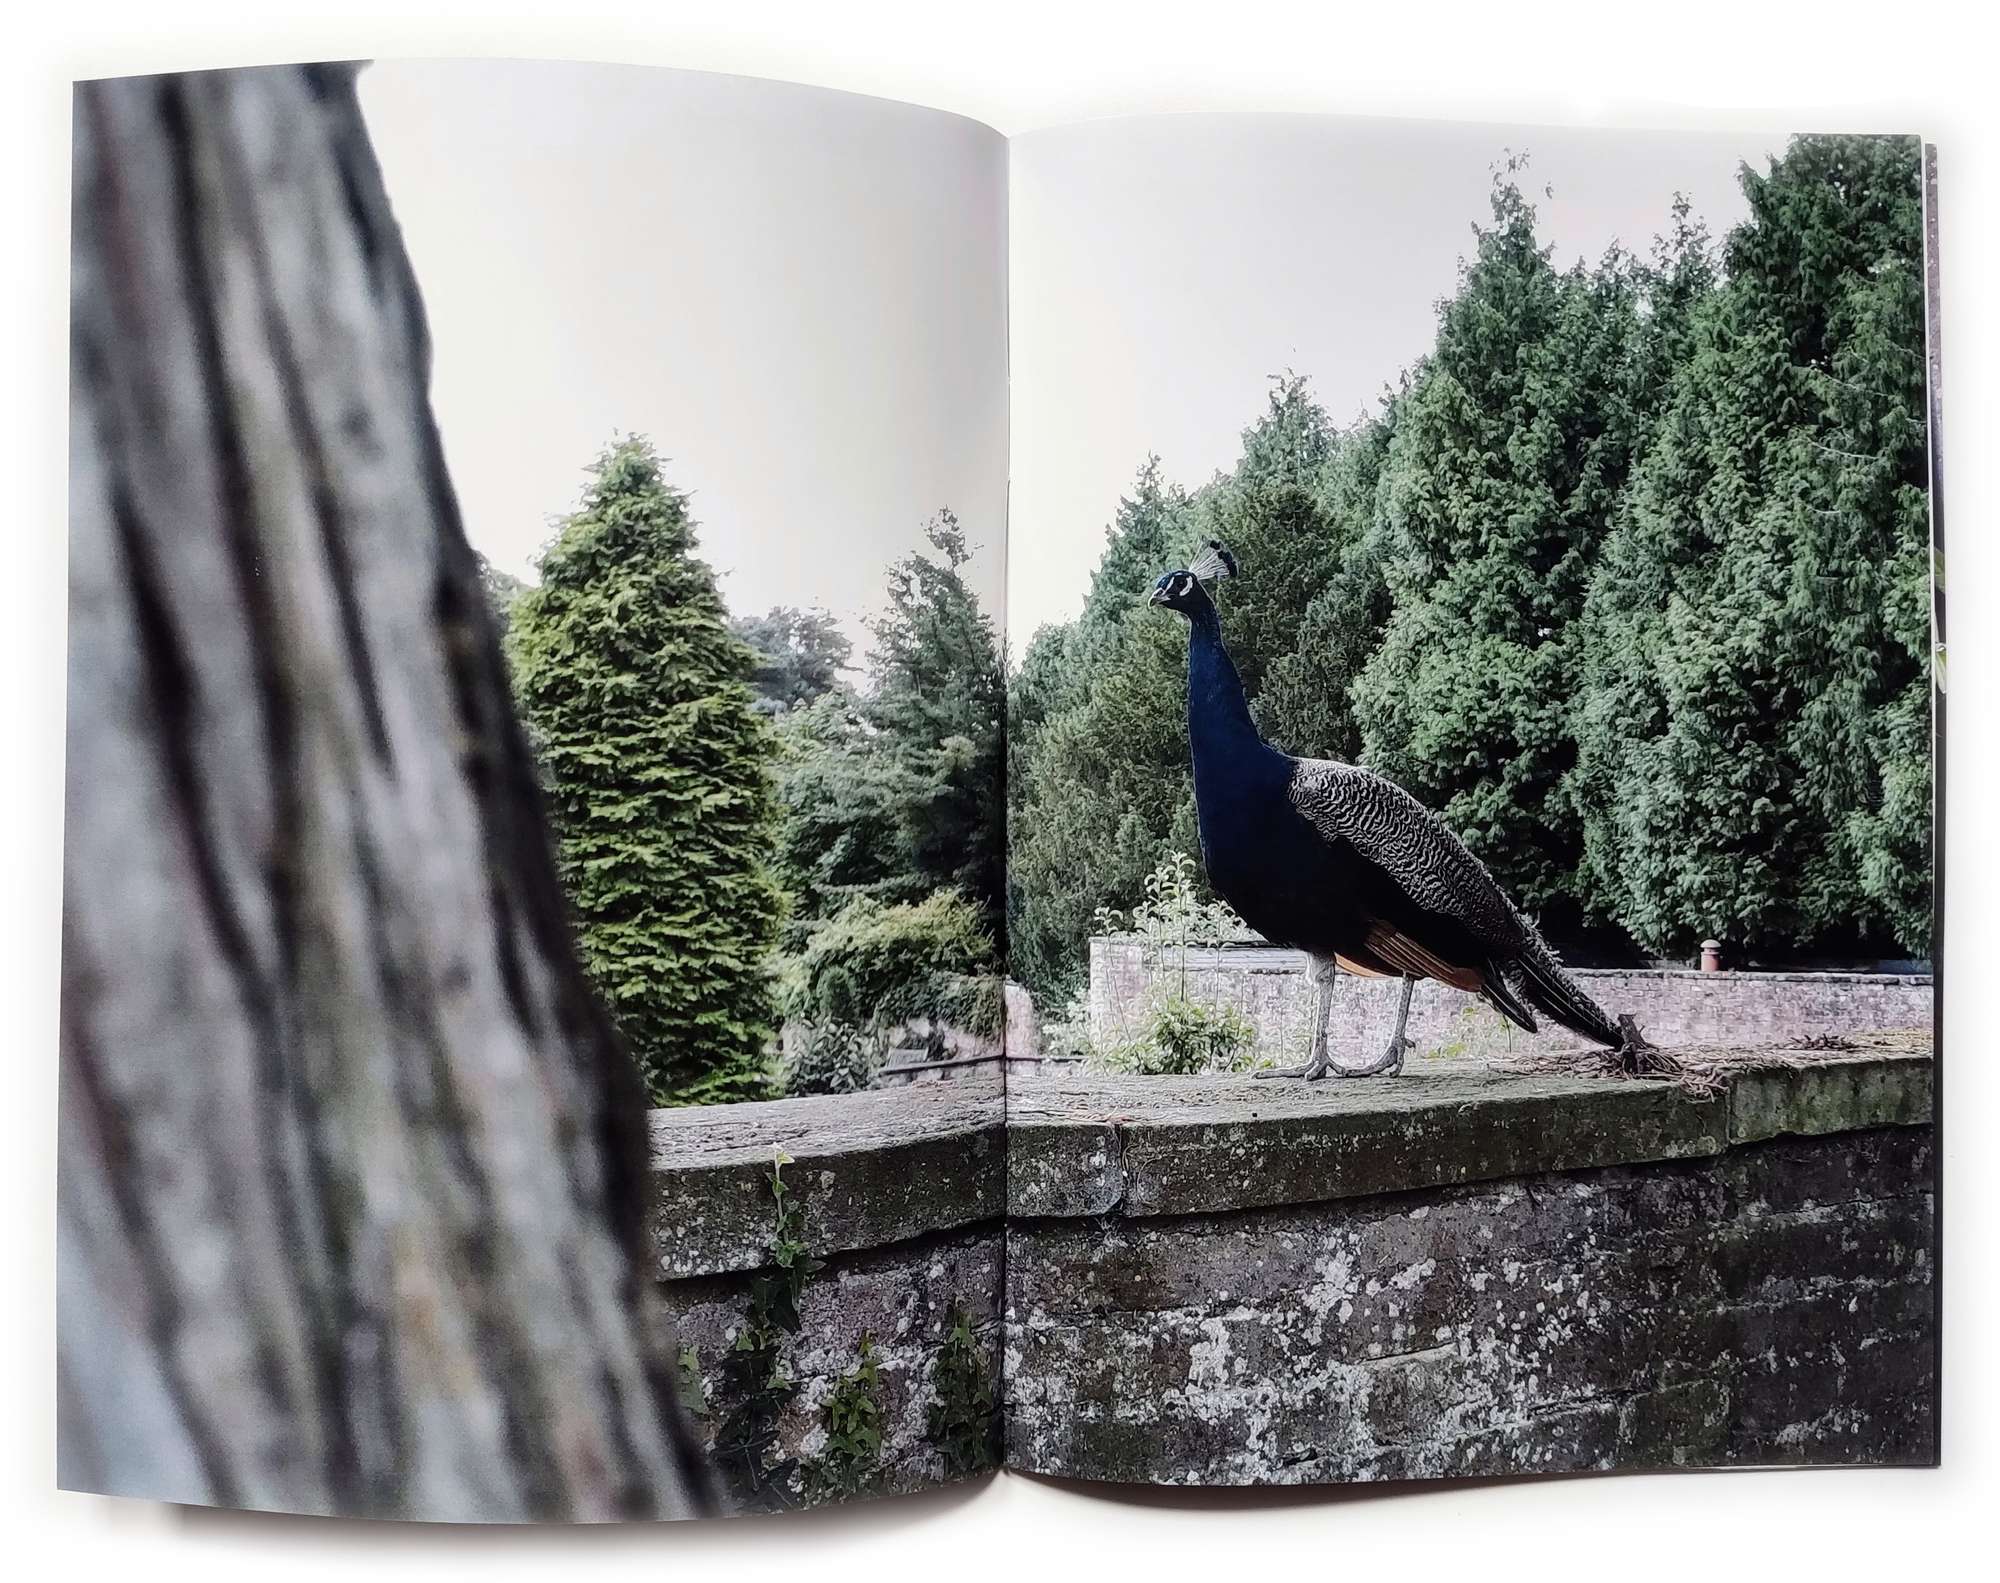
point(1306, 704)
point(1088, 802)
point(831, 1058)
point(1754, 755)
point(1510, 448)
point(844, 828)
point(656, 765)
point(502, 589)
point(937, 704)
point(799, 655)
point(1106, 785)
point(879, 968)
point(892, 792)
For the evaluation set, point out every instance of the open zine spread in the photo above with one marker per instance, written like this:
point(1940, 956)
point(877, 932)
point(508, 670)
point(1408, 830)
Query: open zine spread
point(772, 800)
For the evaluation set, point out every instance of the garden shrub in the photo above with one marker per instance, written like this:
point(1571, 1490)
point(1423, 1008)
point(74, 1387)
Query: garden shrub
point(878, 967)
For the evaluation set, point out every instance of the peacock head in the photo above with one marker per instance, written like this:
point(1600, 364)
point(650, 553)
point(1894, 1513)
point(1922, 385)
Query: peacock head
point(1182, 590)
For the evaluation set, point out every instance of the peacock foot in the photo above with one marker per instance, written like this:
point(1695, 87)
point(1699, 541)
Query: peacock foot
point(1319, 1066)
point(1388, 1064)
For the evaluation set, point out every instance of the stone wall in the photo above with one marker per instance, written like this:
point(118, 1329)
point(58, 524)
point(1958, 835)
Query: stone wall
point(1673, 1006)
point(1217, 1281)
point(903, 1193)
point(1461, 1270)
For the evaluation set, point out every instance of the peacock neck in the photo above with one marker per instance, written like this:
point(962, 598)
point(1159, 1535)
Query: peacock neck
point(1225, 746)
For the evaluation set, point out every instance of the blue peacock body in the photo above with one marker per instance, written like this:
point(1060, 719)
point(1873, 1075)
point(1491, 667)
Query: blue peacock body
point(1336, 861)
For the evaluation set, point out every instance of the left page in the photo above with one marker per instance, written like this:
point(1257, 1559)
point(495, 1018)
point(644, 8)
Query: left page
point(532, 1030)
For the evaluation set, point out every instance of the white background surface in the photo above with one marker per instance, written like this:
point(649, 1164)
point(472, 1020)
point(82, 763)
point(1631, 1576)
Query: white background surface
point(1019, 66)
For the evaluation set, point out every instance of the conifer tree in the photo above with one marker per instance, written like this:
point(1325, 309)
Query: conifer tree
point(1096, 717)
point(1306, 705)
point(1105, 790)
point(1510, 449)
point(937, 703)
point(1754, 737)
point(658, 771)
point(1272, 510)
point(501, 590)
point(1146, 528)
point(1150, 525)
point(842, 829)
point(798, 655)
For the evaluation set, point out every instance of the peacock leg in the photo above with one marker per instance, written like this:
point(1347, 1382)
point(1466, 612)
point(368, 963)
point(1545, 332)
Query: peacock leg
point(1319, 1062)
point(1391, 1060)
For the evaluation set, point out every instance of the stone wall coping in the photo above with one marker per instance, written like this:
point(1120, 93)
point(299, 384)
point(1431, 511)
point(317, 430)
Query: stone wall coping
point(1091, 1144)
point(871, 1169)
point(895, 1164)
point(1283, 959)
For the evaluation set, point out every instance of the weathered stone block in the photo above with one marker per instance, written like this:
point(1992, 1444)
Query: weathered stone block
point(1886, 1091)
point(902, 1299)
point(875, 1168)
point(1177, 1146)
point(1680, 1303)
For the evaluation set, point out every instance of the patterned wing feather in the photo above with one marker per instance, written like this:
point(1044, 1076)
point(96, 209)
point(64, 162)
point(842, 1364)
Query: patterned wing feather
point(1410, 844)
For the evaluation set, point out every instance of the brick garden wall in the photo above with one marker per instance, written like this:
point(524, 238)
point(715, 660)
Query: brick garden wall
point(1673, 1007)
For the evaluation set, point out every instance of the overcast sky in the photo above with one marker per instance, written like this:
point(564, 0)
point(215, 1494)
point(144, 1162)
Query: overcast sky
point(802, 297)
point(1165, 266)
point(799, 296)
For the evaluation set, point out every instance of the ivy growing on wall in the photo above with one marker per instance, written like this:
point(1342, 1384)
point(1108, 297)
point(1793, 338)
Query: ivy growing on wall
point(964, 1420)
point(758, 1384)
point(851, 1460)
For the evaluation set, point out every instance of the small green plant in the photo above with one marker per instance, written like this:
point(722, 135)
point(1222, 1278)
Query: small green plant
point(1182, 1037)
point(1066, 1033)
point(689, 1387)
point(963, 1424)
point(760, 1388)
point(778, 1295)
point(1178, 1028)
point(1175, 919)
point(852, 1419)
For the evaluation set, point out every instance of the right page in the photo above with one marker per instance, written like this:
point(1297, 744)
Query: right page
point(1471, 811)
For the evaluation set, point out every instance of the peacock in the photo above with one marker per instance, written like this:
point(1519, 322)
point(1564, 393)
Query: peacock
point(1334, 860)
